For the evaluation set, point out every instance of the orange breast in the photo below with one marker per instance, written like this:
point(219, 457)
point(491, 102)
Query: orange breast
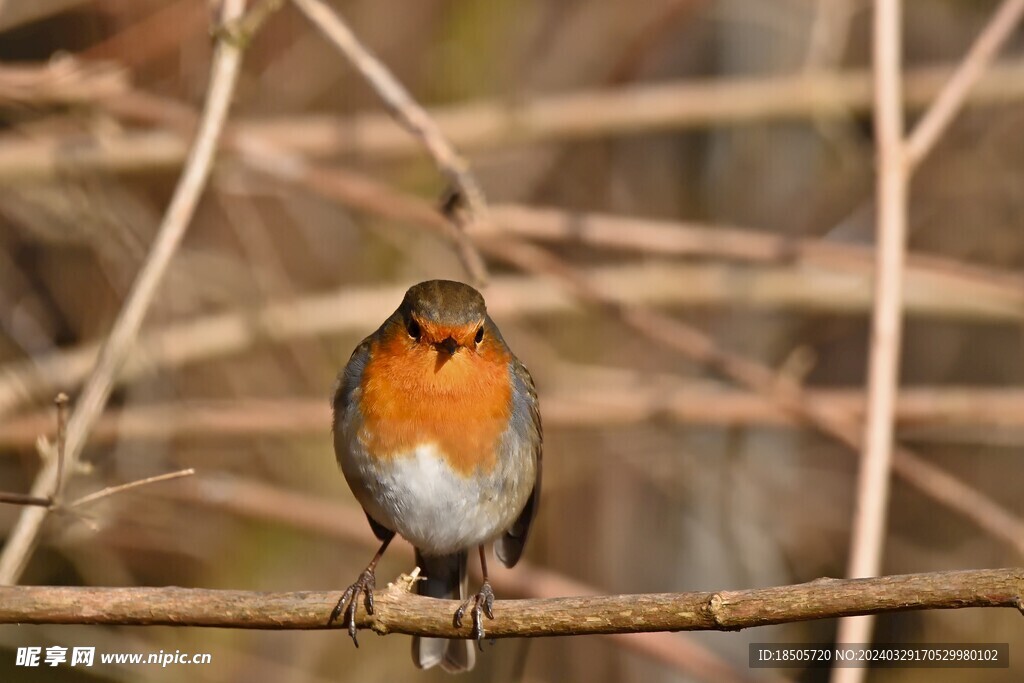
point(460, 404)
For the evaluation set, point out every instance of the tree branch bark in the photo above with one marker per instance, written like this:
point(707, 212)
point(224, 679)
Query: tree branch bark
point(397, 611)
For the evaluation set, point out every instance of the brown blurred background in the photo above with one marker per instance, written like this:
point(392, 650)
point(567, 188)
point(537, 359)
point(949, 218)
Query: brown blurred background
point(660, 476)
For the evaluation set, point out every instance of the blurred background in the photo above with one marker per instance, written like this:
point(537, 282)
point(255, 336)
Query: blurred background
point(708, 160)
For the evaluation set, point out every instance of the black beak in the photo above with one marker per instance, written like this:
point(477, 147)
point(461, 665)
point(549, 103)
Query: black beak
point(449, 345)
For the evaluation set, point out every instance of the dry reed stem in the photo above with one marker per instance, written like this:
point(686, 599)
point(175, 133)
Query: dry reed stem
point(871, 502)
point(897, 159)
point(967, 75)
point(122, 337)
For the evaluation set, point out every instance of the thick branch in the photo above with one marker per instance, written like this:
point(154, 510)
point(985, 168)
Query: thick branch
point(396, 611)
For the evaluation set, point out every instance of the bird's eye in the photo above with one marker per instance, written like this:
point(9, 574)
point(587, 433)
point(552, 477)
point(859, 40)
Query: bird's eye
point(479, 334)
point(413, 328)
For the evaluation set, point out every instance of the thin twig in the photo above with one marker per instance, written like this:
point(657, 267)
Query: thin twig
point(252, 21)
point(25, 499)
point(413, 117)
point(115, 351)
point(62, 436)
point(111, 490)
point(397, 611)
point(955, 93)
point(873, 481)
point(61, 401)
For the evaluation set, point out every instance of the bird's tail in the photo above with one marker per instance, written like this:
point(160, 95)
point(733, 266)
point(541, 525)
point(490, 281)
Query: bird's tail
point(445, 579)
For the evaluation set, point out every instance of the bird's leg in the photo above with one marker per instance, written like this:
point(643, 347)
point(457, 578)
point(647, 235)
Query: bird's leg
point(483, 603)
point(350, 598)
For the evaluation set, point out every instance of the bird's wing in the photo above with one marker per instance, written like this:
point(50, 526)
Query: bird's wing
point(348, 380)
point(509, 547)
point(345, 388)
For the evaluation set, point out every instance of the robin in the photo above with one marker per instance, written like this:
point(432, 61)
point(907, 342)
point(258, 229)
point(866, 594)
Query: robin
point(437, 431)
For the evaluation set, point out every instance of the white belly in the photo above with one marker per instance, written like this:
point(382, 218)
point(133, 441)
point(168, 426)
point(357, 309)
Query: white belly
point(436, 509)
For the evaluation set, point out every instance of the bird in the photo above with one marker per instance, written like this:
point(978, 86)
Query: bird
point(438, 433)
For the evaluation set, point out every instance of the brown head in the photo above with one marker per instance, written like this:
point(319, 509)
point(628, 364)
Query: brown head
point(445, 314)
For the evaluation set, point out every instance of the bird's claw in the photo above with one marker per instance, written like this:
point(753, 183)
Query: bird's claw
point(350, 601)
point(483, 603)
